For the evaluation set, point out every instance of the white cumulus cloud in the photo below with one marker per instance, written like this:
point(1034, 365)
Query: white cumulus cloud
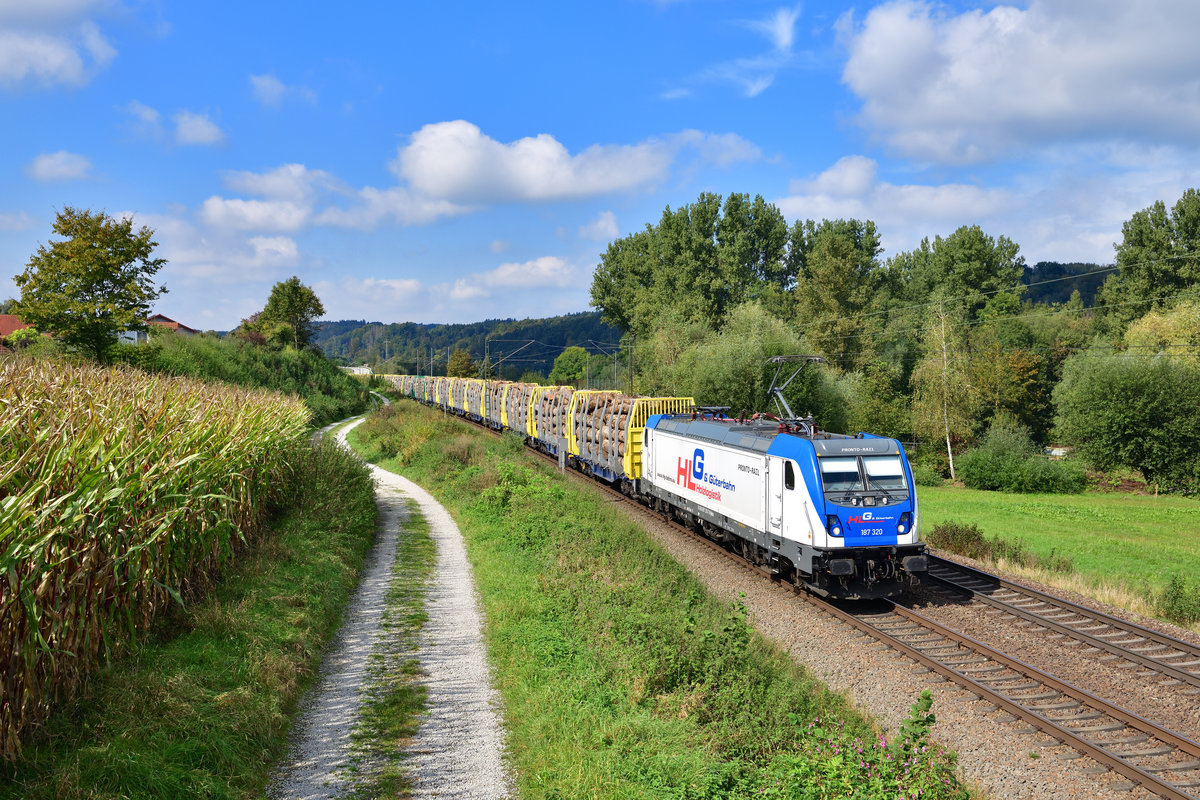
point(51, 43)
point(196, 129)
point(19, 221)
point(272, 92)
point(255, 215)
point(977, 85)
point(456, 161)
point(602, 229)
point(547, 272)
point(59, 166)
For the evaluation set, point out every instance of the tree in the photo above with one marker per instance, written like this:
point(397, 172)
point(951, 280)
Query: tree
point(702, 260)
point(294, 305)
point(8, 306)
point(1159, 256)
point(569, 366)
point(943, 398)
point(93, 284)
point(1141, 412)
point(838, 273)
point(968, 264)
point(461, 365)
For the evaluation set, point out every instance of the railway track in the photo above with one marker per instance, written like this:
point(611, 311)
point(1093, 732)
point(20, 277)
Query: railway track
point(1175, 659)
point(1148, 755)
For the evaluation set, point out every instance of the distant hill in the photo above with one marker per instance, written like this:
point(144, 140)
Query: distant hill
point(1066, 279)
point(405, 347)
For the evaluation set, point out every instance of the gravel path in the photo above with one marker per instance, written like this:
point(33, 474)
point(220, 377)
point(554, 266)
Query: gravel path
point(458, 749)
point(1003, 757)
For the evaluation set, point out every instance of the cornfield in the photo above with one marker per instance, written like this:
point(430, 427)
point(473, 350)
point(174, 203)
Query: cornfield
point(118, 492)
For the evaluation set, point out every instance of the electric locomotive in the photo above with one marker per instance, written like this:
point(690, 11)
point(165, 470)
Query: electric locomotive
point(836, 514)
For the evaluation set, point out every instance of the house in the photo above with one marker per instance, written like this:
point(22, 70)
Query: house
point(11, 323)
point(164, 322)
point(170, 324)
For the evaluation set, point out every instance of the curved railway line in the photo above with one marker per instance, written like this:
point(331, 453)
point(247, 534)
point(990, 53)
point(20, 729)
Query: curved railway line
point(1150, 756)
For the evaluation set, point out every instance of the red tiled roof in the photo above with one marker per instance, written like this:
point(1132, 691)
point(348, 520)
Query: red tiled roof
point(10, 323)
point(167, 322)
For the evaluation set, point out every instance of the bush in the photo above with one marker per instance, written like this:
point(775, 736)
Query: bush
point(1180, 601)
point(925, 475)
point(969, 541)
point(329, 393)
point(1140, 412)
point(1008, 461)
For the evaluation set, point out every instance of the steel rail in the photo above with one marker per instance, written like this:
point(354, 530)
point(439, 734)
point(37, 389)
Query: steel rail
point(1182, 648)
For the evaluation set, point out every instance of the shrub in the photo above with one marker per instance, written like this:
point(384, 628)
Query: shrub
point(1008, 461)
point(1180, 601)
point(969, 541)
point(1140, 412)
point(925, 475)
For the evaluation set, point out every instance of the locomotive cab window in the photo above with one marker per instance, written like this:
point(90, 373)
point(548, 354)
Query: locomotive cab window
point(885, 472)
point(789, 476)
point(841, 475)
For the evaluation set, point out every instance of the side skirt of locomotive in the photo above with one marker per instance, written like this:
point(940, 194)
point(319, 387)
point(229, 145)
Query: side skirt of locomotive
point(852, 573)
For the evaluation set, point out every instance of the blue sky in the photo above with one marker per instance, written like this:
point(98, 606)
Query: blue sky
point(450, 162)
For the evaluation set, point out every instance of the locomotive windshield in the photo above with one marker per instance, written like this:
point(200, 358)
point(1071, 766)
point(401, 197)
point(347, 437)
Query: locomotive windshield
point(847, 476)
point(884, 472)
point(841, 475)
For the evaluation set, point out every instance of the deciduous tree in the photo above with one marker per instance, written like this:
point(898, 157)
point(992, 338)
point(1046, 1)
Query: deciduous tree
point(461, 365)
point(294, 305)
point(93, 284)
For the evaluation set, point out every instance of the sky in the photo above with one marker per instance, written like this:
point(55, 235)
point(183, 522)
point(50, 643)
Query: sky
point(458, 161)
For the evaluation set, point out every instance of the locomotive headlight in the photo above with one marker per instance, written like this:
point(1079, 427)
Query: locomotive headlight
point(834, 525)
point(905, 521)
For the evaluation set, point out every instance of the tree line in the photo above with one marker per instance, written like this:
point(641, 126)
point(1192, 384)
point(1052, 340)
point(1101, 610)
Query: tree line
point(939, 344)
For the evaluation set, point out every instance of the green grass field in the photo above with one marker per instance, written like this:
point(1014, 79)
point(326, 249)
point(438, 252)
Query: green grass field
point(1126, 541)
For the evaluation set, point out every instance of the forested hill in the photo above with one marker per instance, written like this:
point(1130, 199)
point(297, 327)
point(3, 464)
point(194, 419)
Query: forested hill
point(1066, 278)
point(405, 347)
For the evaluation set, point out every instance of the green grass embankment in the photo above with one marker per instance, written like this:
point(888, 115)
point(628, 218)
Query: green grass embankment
point(200, 707)
point(621, 676)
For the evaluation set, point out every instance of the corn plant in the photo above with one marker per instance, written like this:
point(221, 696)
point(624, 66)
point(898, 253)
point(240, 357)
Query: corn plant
point(120, 492)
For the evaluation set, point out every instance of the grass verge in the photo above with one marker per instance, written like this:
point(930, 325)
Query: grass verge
point(201, 706)
point(621, 677)
point(1134, 551)
point(394, 697)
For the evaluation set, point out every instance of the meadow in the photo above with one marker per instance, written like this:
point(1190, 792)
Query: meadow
point(1125, 548)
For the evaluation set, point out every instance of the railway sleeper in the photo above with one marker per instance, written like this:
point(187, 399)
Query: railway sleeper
point(1062, 704)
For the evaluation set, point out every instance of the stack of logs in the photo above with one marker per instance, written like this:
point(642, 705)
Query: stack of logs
point(517, 406)
point(552, 413)
point(494, 397)
point(601, 424)
point(473, 391)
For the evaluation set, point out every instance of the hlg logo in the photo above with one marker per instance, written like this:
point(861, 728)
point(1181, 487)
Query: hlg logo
point(689, 472)
point(867, 516)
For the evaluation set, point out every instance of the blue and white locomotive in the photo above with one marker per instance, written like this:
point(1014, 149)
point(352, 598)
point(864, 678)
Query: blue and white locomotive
point(836, 514)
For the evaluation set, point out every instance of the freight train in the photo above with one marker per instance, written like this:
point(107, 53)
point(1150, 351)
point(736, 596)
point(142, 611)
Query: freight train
point(831, 513)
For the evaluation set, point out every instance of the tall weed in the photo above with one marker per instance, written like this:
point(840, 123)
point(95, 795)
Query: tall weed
point(969, 541)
